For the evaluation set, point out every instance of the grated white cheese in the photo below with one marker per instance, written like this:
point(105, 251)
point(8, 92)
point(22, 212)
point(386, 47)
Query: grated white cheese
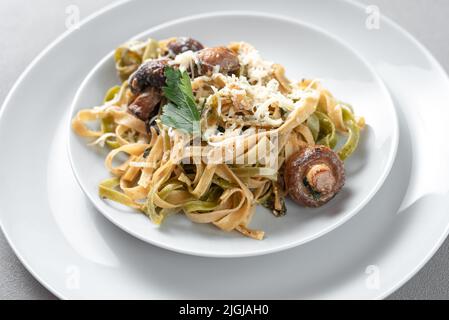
point(186, 60)
point(257, 68)
point(255, 94)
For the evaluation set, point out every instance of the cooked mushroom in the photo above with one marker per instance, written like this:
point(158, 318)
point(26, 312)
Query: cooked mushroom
point(183, 44)
point(149, 74)
point(222, 58)
point(314, 176)
point(144, 105)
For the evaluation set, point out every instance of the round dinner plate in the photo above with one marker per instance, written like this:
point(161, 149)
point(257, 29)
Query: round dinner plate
point(76, 253)
point(306, 52)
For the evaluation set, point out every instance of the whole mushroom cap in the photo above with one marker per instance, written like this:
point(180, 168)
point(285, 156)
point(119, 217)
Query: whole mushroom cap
point(183, 44)
point(223, 58)
point(313, 176)
point(149, 74)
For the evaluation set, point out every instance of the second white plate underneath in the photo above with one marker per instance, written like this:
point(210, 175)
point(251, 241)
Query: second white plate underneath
point(59, 236)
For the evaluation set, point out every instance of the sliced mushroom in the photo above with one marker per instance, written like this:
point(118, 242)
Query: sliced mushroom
point(222, 58)
point(149, 74)
point(144, 105)
point(314, 176)
point(183, 44)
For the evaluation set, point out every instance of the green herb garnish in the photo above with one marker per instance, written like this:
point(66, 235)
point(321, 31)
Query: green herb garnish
point(181, 111)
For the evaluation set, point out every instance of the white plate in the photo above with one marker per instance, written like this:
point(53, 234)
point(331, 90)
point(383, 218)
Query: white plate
point(42, 209)
point(306, 52)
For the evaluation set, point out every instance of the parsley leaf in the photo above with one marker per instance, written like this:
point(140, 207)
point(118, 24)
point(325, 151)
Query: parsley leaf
point(181, 111)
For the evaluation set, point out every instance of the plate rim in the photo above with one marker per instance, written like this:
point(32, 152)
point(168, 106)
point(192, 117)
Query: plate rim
point(444, 75)
point(436, 64)
point(392, 152)
point(6, 102)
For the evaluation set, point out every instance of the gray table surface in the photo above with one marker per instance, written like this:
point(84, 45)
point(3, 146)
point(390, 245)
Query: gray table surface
point(27, 27)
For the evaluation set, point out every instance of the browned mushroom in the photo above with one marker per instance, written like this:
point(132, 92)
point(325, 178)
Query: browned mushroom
point(224, 59)
point(314, 176)
point(183, 44)
point(149, 74)
point(144, 105)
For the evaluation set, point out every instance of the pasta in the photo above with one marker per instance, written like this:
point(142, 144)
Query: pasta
point(249, 120)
